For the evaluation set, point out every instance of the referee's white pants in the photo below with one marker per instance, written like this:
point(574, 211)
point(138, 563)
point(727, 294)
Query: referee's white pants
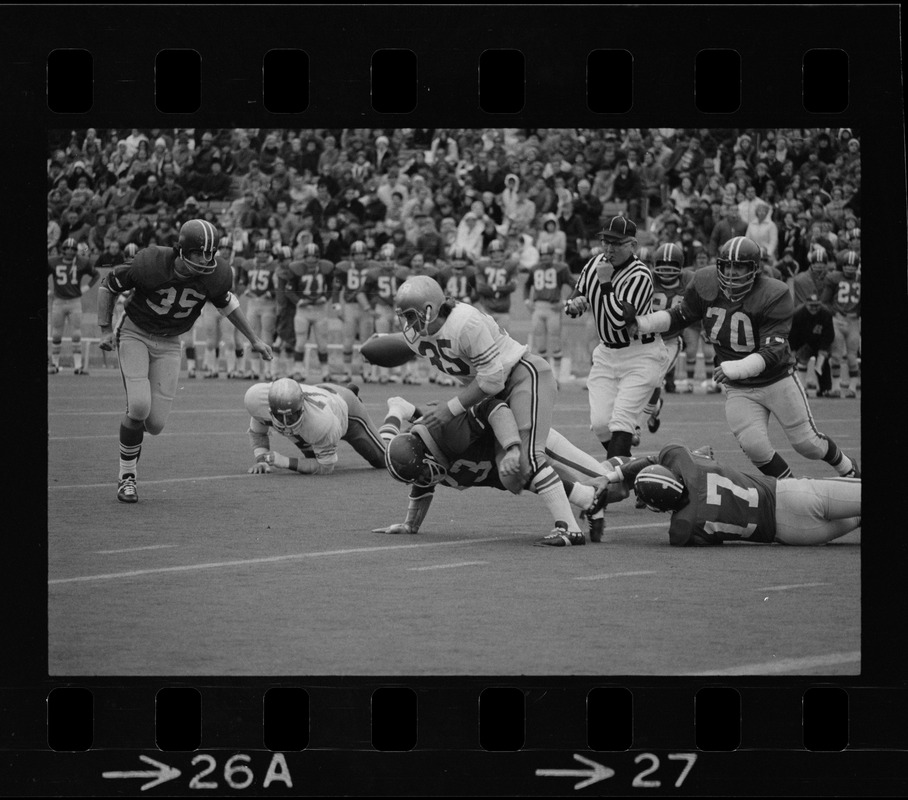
point(620, 384)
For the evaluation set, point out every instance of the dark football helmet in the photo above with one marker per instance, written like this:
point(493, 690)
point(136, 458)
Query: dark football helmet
point(129, 252)
point(458, 257)
point(849, 263)
point(736, 254)
point(546, 252)
point(386, 255)
point(409, 460)
point(69, 248)
point(667, 263)
point(496, 251)
point(198, 236)
point(285, 404)
point(417, 304)
point(311, 252)
point(659, 488)
point(359, 252)
point(818, 260)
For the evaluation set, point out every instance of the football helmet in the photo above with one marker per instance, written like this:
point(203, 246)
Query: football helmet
point(129, 252)
point(659, 488)
point(410, 461)
point(224, 243)
point(69, 248)
point(311, 252)
point(282, 251)
point(736, 254)
point(496, 251)
point(667, 263)
point(817, 259)
point(262, 252)
point(546, 252)
point(458, 257)
point(849, 262)
point(386, 255)
point(813, 303)
point(285, 404)
point(198, 236)
point(417, 304)
point(358, 251)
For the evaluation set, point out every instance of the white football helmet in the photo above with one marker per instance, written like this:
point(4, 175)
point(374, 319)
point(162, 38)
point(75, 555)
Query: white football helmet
point(285, 404)
point(418, 301)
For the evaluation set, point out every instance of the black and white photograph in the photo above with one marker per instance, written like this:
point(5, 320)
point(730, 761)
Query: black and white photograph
point(463, 401)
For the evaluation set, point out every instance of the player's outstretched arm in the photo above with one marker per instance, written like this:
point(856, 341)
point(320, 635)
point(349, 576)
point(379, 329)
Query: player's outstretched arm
point(420, 500)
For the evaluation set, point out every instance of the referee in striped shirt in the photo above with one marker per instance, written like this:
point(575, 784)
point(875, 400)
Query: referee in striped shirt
point(625, 369)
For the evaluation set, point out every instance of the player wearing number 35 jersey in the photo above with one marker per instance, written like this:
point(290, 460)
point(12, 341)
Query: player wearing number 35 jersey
point(747, 316)
point(170, 287)
point(467, 344)
point(711, 504)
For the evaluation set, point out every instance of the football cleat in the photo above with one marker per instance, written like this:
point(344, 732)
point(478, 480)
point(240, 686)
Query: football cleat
point(211, 374)
point(635, 438)
point(835, 394)
point(561, 537)
point(653, 423)
point(597, 528)
point(80, 371)
point(412, 380)
point(126, 489)
point(850, 393)
point(52, 369)
point(190, 373)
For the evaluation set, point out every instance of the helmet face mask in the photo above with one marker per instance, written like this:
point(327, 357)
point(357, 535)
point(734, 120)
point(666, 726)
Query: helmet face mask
point(417, 304)
point(668, 261)
point(69, 248)
point(408, 460)
point(386, 255)
point(659, 488)
point(358, 252)
point(738, 265)
point(285, 405)
point(850, 264)
point(198, 246)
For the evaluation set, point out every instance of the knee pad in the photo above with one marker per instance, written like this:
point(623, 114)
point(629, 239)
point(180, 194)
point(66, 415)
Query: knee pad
point(139, 409)
point(814, 447)
point(153, 426)
point(756, 446)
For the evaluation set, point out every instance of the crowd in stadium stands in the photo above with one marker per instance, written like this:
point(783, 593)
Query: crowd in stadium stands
point(430, 191)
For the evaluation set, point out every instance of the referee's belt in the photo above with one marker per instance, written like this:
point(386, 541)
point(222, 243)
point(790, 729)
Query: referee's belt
point(647, 338)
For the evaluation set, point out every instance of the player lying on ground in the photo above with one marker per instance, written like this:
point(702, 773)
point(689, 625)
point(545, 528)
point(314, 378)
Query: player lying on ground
point(315, 419)
point(481, 447)
point(711, 503)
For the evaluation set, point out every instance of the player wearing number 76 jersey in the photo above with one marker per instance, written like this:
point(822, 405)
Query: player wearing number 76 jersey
point(467, 344)
point(747, 317)
point(170, 287)
point(711, 503)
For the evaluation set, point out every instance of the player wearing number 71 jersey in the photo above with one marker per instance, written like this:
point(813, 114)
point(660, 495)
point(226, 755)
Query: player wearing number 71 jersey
point(711, 504)
point(747, 317)
point(171, 285)
point(467, 344)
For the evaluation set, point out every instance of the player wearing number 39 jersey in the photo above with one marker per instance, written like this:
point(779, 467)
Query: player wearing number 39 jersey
point(467, 344)
point(711, 503)
point(747, 317)
point(170, 287)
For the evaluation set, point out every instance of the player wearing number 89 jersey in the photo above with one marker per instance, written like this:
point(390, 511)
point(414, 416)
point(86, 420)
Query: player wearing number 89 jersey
point(170, 287)
point(747, 317)
point(467, 344)
point(711, 503)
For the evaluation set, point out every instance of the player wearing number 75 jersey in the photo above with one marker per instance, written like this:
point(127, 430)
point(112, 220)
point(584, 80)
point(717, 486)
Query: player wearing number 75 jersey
point(170, 287)
point(747, 317)
point(711, 503)
point(467, 344)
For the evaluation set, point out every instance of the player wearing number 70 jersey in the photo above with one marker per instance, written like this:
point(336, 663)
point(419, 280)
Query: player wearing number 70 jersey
point(711, 503)
point(467, 344)
point(747, 317)
point(170, 287)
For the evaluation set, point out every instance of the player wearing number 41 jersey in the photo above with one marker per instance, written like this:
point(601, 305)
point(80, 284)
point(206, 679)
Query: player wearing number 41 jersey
point(170, 286)
point(747, 316)
point(467, 344)
point(711, 504)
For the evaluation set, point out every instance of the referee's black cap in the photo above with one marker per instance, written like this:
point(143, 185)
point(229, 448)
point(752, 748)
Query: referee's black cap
point(618, 228)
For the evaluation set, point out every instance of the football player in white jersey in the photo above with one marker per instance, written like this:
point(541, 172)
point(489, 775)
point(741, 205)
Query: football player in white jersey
point(315, 418)
point(470, 346)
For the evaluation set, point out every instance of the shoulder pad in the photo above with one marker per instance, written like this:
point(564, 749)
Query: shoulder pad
point(706, 283)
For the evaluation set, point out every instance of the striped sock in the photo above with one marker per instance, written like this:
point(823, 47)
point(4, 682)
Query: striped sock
point(776, 468)
point(130, 449)
point(837, 459)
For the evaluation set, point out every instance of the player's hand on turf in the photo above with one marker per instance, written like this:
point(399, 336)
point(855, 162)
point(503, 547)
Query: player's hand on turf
point(262, 349)
point(106, 342)
point(510, 463)
point(262, 467)
point(400, 527)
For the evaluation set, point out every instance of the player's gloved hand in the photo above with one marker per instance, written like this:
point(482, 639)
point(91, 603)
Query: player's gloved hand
point(400, 527)
point(510, 463)
point(106, 341)
point(577, 306)
point(262, 467)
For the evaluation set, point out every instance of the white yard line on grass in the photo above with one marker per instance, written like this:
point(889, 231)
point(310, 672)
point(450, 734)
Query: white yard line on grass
point(615, 574)
point(136, 549)
point(791, 586)
point(448, 566)
point(784, 665)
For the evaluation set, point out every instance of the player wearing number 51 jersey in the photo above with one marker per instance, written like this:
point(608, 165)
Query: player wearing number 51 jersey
point(170, 286)
point(747, 316)
point(711, 504)
point(467, 344)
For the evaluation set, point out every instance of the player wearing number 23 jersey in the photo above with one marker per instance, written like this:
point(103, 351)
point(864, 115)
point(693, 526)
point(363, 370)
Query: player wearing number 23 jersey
point(711, 503)
point(747, 317)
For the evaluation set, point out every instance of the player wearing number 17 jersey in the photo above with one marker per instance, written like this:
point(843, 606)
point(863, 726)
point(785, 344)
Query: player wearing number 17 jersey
point(747, 316)
point(170, 286)
point(467, 344)
point(711, 503)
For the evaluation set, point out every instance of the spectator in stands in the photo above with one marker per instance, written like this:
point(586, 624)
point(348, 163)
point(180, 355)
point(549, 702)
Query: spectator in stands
point(165, 234)
point(764, 232)
point(53, 233)
point(575, 234)
point(551, 236)
point(627, 189)
point(141, 166)
point(727, 228)
point(111, 256)
point(684, 195)
point(148, 197)
point(321, 206)
point(747, 208)
point(74, 225)
point(686, 157)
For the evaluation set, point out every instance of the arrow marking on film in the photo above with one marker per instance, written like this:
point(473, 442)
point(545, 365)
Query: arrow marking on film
point(596, 774)
point(162, 774)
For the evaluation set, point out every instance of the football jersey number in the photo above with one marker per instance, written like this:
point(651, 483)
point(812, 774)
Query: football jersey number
point(353, 279)
point(740, 332)
point(66, 274)
point(444, 361)
point(662, 303)
point(188, 300)
point(496, 278)
point(849, 293)
point(387, 286)
point(480, 470)
point(259, 280)
point(545, 279)
point(309, 279)
point(457, 286)
point(716, 485)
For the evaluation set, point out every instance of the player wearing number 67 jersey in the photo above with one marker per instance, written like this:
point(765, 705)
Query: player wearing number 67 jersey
point(747, 316)
point(467, 344)
point(711, 503)
point(170, 287)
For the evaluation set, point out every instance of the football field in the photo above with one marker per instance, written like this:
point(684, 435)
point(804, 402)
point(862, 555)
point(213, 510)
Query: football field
point(217, 572)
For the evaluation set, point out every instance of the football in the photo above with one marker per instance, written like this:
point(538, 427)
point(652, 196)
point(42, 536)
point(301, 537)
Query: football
point(387, 350)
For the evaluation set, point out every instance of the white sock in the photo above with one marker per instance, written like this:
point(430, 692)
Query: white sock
point(77, 359)
point(556, 499)
point(582, 495)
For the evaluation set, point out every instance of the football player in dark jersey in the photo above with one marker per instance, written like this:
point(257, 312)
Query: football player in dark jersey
point(67, 270)
point(747, 316)
point(711, 503)
point(170, 285)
